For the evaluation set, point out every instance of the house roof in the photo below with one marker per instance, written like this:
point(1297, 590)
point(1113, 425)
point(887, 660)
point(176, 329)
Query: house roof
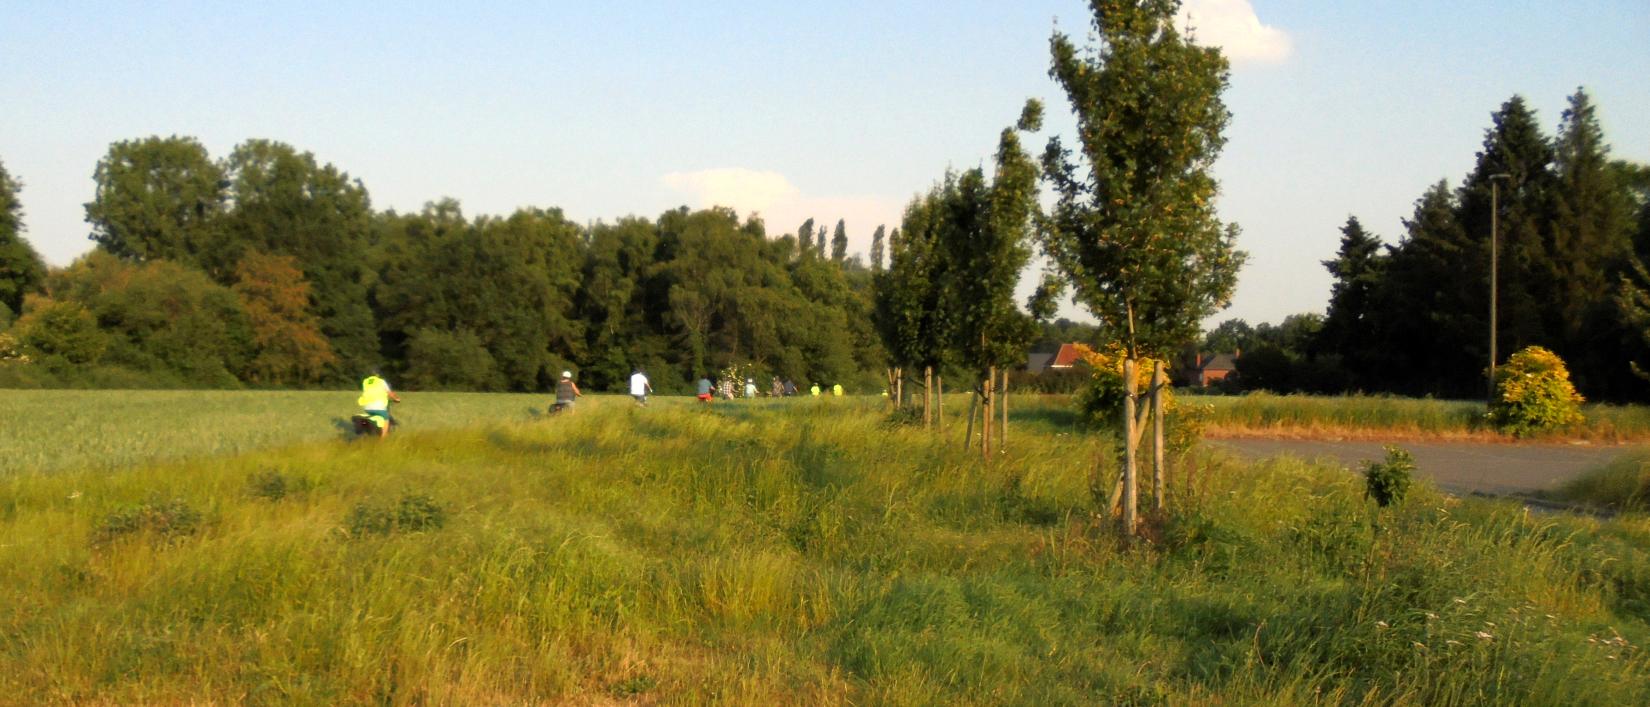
point(1066, 357)
point(1220, 362)
point(1038, 362)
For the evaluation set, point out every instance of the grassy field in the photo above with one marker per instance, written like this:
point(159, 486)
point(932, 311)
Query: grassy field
point(1390, 417)
point(789, 552)
point(43, 430)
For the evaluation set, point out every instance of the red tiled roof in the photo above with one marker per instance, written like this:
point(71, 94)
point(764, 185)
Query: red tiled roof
point(1066, 357)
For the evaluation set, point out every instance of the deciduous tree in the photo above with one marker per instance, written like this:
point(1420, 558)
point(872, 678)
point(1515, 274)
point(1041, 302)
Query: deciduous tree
point(1133, 224)
point(21, 270)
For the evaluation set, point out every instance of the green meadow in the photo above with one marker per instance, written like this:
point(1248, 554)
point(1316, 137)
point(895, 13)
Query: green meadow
point(771, 552)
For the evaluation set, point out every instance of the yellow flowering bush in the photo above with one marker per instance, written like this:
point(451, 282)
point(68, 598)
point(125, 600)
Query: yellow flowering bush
point(11, 351)
point(1533, 394)
point(1100, 400)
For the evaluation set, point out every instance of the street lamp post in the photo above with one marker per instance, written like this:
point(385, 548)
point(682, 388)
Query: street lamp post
point(1495, 212)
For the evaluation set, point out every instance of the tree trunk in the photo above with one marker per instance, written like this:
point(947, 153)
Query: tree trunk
point(899, 386)
point(1002, 429)
point(985, 421)
point(1159, 382)
point(1130, 492)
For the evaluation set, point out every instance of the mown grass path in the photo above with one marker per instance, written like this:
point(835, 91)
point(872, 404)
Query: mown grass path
point(1459, 467)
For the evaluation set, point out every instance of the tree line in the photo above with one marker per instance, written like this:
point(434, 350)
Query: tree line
point(1573, 237)
point(270, 268)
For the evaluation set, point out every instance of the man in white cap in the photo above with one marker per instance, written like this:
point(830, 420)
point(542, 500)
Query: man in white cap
point(567, 392)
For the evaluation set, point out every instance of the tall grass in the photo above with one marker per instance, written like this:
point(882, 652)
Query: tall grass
point(1623, 484)
point(1386, 417)
point(785, 552)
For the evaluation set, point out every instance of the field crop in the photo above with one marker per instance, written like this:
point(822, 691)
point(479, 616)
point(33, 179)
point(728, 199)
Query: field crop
point(44, 430)
point(785, 552)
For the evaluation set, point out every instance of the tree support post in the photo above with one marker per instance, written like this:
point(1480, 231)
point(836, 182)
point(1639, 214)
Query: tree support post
point(927, 397)
point(1002, 429)
point(1130, 491)
point(1160, 381)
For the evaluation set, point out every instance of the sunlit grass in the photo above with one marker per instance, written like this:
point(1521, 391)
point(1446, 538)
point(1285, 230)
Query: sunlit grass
point(793, 552)
point(1386, 417)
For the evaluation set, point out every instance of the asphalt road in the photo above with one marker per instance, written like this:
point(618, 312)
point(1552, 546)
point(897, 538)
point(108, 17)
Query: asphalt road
point(1457, 467)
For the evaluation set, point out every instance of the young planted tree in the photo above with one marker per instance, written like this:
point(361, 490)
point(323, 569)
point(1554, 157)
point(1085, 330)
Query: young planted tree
point(910, 306)
point(987, 240)
point(1133, 225)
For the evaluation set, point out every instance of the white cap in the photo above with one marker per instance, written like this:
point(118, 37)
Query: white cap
point(567, 374)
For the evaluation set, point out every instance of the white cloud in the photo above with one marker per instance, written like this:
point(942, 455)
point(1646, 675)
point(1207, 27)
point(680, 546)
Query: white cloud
point(1233, 26)
point(782, 206)
point(742, 189)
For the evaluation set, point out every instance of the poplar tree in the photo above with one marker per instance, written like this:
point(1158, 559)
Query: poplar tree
point(805, 236)
point(1133, 225)
point(877, 247)
point(839, 241)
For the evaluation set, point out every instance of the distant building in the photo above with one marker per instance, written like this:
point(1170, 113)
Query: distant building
point(1210, 368)
point(1038, 362)
point(1066, 357)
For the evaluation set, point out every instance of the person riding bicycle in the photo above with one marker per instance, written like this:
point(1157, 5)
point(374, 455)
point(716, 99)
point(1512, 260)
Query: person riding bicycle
point(567, 392)
point(375, 402)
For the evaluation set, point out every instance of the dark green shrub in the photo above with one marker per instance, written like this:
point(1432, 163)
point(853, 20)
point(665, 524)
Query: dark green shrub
point(419, 512)
point(165, 521)
point(907, 416)
point(1387, 481)
point(413, 513)
point(270, 485)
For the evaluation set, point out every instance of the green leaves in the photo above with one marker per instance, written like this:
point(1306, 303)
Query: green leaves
point(1134, 225)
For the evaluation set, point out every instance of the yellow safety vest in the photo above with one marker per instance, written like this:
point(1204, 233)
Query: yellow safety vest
point(375, 394)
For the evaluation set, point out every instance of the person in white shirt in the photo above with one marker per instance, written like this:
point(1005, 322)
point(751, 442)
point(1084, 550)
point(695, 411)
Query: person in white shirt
point(639, 387)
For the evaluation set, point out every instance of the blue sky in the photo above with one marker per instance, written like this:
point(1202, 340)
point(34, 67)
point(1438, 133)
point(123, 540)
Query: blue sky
point(825, 109)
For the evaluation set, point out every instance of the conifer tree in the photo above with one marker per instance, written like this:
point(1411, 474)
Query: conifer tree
point(1358, 268)
point(1591, 240)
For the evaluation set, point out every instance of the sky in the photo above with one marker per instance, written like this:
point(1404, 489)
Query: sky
point(828, 109)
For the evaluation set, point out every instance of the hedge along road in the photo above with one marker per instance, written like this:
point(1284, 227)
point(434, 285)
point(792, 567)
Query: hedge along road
point(1457, 467)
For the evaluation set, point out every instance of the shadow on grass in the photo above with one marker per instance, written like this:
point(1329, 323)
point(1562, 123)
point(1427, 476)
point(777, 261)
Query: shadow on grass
point(1049, 419)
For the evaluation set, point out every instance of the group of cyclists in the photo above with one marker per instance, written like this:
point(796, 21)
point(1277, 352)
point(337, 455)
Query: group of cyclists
point(376, 396)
